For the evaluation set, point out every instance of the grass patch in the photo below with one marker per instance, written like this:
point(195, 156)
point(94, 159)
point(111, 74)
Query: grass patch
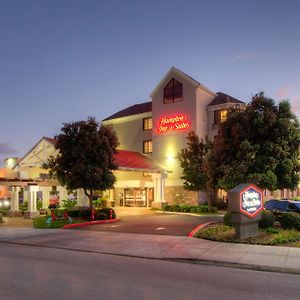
point(268, 236)
point(40, 222)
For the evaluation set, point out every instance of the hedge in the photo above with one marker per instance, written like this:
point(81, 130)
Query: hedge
point(197, 209)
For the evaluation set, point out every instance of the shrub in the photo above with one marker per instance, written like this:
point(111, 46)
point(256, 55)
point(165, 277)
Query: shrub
point(24, 206)
point(197, 209)
point(227, 219)
point(107, 212)
point(1, 220)
point(74, 213)
point(69, 203)
point(289, 220)
point(39, 204)
point(267, 219)
point(99, 213)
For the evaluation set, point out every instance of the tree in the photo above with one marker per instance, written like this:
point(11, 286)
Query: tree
point(194, 162)
point(85, 157)
point(257, 143)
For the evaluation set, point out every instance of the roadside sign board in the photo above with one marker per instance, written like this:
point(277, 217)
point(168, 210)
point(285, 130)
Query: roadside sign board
point(251, 201)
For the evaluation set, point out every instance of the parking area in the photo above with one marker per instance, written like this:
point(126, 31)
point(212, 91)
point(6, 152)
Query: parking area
point(148, 222)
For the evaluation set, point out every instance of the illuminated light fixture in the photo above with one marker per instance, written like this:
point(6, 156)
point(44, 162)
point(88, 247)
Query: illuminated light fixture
point(170, 158)
point(6, 203)
point(172, 123)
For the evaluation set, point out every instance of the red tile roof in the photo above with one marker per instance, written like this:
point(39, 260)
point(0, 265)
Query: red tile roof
point(223, 99)
point(132, 110)
point(135, 161)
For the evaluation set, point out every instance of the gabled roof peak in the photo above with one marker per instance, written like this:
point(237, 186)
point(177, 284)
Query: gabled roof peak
point(175, 72)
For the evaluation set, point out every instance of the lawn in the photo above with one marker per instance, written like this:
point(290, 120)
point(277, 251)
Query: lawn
point(269, 236)
point(40, 222)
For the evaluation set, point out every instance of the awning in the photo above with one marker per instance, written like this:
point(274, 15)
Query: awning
point(135, 161)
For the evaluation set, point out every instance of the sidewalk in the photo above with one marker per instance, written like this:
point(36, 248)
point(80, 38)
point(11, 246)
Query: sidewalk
point(192, 250)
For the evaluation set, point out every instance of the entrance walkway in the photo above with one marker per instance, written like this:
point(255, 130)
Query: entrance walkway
point(16, 222)
point(133, 211)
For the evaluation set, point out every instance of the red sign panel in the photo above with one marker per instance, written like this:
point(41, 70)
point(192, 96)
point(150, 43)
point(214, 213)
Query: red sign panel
point(174, 123)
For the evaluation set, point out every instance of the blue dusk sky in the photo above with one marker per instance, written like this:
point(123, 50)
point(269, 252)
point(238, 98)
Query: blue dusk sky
point(65, 60)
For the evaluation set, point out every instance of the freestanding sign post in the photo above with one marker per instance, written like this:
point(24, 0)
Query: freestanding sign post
point(245, 202)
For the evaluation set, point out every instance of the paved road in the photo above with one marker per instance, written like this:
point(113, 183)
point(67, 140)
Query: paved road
point(166, 224)
point(29, 272)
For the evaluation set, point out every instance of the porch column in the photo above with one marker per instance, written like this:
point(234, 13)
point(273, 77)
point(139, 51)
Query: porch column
point(31, 191)
point(159, 188)
point(46, 196)
point(82, 199)
point(14, 202)
point(63, 193)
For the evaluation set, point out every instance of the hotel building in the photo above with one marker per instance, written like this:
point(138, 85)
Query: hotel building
point(151, 134)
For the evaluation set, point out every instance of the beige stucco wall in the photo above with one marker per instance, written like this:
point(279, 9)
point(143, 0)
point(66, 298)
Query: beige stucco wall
point(30, 165)
point(130, 131)
point(167, 145)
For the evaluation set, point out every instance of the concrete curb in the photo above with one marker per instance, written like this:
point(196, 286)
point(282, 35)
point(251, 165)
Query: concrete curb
point(90, 223)
point(251, 267)
point(199, 227)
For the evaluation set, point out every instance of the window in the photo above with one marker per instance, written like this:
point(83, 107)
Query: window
point(147, 146)
point(220, 116)
point(173, 91)
point(147, 123)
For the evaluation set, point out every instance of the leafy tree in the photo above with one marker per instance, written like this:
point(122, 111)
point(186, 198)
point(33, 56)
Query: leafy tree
point(194, 162)
point(85, 157)
point(257, 143)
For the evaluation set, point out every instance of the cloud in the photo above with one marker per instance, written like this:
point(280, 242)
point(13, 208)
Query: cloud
point(5, 149)
point(283, 92)
point(246, 56)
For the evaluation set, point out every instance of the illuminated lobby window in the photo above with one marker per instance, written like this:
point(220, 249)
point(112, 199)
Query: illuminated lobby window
point(173, 91)
point(220, 116)
point(147, 146)
point(147, 123)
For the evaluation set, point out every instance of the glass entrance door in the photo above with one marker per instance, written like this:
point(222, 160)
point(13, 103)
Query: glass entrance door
point(135, 197)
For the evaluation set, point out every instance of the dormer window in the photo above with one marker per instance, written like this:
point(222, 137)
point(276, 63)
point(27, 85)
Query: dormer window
point(173, 91)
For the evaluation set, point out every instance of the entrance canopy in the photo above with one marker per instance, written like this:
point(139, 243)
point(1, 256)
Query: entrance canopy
point(134, 161)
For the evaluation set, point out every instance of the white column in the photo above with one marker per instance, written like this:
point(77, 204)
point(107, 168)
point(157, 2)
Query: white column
point(46, 196)
point(159, 188)
point(31, 190)
point(82, 199)
point(14, 201)
point(63, 193)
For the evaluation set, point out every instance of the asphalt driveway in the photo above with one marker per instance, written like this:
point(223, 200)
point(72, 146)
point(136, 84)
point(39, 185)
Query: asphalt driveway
point(156, 223)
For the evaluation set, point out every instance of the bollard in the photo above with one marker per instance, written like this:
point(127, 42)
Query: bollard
point(92, 215)
point(110, 213)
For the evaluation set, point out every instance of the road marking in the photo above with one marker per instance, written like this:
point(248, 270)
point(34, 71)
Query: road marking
point(160, 228)
point(112, 226)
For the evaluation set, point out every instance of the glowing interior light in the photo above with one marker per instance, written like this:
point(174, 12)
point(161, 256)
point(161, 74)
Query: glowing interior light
point(6, 202)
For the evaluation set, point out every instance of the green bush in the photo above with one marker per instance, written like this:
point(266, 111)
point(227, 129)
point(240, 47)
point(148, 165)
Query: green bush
point(289, 220)
point(99, 213)
point(197, 209)
point(24, 206)
point(4, 211)
point(227, 219)
point(39, 204)
point(74, 213)
point(267, 219)
point(107, 212)
point(69, 203)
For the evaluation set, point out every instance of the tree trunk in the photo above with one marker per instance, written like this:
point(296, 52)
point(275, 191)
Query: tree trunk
point(90, 196)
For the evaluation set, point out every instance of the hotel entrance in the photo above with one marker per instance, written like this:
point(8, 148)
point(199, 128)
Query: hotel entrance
point(138, 197)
